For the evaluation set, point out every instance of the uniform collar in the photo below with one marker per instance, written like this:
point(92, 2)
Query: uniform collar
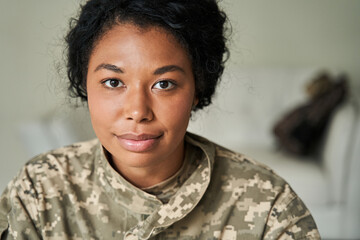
point(160, 215)
point(122, 191)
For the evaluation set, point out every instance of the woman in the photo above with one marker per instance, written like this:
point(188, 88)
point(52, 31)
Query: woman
point(143, 67)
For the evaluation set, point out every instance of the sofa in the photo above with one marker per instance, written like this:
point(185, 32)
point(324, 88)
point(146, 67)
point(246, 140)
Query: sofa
point(248, 104)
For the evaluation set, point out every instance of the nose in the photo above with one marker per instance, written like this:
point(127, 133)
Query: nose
point(137, 106)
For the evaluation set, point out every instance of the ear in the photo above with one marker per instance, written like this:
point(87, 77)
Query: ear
point(195, 102)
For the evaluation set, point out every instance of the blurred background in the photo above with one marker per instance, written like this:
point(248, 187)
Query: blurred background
point(277, 48)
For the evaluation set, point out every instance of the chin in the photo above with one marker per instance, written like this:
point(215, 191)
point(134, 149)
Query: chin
point(138, 160)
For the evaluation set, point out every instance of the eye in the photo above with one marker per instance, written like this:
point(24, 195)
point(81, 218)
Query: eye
point(113, 83)
point(164, 85)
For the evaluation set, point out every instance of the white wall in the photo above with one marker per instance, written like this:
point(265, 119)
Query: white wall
point(282, 33)
point(308, 33)
point(30, 44)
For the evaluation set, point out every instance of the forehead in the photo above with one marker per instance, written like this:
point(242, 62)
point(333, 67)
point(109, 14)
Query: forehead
point(129, 41)
point(125, 30)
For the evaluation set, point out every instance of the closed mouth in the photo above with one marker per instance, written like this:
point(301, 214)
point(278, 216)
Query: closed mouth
point(139, 143)
point(140, 137)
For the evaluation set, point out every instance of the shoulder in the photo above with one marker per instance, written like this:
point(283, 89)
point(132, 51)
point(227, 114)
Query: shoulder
point(42, 182)
point(47, 171)
point(236, 172)
point(238, 160)
point(234, 165)
point(72, 157)
point(76, 150)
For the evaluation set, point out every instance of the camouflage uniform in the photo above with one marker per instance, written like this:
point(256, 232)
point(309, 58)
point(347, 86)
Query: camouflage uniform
point(74, 193)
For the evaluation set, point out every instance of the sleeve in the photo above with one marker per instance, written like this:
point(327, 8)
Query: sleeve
point(290, 219)
point(17, 212)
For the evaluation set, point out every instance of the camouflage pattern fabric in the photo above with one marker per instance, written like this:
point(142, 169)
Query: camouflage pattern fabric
point(74, 193)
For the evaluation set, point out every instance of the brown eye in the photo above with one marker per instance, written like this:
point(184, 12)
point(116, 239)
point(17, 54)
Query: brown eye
point(164, 85)
point(113, 83)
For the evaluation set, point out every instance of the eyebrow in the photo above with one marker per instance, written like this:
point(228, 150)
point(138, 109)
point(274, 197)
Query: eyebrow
point(159, 71)
point(169, 68)
point(110, 67)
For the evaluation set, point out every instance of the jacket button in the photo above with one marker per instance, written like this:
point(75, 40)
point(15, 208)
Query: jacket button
point(130, 236)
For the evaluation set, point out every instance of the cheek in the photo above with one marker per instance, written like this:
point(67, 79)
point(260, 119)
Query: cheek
point(177, 113)
point(101, 110)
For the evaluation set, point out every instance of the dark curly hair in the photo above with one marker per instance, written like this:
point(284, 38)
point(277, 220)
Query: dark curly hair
point(199, 25)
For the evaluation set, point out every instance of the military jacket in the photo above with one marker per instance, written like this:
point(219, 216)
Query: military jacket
point(74, 193)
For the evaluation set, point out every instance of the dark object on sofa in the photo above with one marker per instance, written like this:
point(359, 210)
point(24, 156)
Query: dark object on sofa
point(300, 130)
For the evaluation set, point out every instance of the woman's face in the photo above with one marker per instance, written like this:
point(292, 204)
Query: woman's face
point(141, 90)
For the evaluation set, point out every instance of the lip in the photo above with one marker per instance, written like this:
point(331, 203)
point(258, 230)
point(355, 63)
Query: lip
point(139, 142)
